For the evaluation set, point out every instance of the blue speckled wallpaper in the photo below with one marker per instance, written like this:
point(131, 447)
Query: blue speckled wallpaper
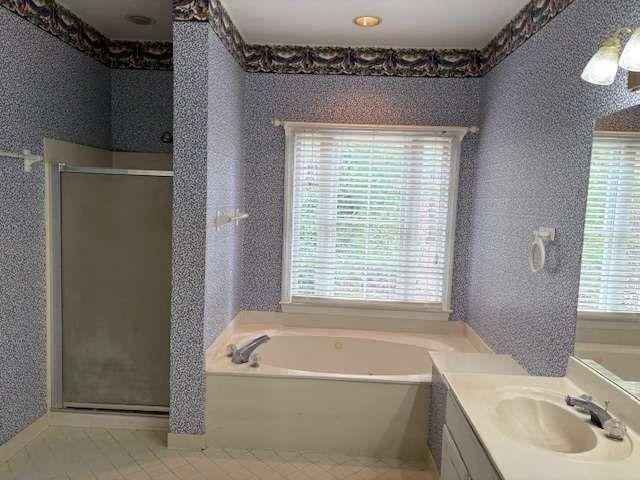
point(141, 109)
point(224, 188)
point(532, 170)
point(189, 227)
point(338, 99)
point(208, 177)
point(48, 89)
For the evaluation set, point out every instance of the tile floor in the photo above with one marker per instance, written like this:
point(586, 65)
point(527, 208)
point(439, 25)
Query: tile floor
point(101, 454)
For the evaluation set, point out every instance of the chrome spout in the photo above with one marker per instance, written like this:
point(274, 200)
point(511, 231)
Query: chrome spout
point(599, 416)
point(243, 354)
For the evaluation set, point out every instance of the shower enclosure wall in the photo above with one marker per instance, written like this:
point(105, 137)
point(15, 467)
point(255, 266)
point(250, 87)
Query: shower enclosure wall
point(111, 268)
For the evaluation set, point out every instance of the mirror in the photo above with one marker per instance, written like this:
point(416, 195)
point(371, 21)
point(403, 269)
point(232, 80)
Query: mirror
point(608, 333)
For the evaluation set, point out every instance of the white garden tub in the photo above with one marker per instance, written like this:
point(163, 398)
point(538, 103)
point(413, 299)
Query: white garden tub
point(356, 392)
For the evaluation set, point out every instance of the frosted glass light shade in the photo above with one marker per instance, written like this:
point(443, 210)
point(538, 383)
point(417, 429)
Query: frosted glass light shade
point(603, 66)
point(630, 59)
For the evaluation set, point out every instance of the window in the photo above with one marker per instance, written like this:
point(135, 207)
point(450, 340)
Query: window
point(370, 215)
point(610, 275)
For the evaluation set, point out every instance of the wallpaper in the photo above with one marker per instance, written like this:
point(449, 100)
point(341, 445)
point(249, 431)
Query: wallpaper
point(532, 170)
point(72, 30)
point(224, 189)
point(141, 110)
point(189, 228)
point(340, 99)
point(328, 60)
point(74, 106)
point(627, 120)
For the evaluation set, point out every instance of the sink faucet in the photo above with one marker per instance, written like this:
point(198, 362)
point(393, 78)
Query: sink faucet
point(243, 354)
point(600, 417)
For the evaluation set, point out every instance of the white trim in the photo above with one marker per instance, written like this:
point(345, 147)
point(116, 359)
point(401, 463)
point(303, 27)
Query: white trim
point(364, 310)
point(451, 223)
point(609, 318)
point(114, 171)
point(460, 131)
point(285, 286)
point(22, 438)
point(65, 418)
point(186, 441)
point(615, 134)
point(308, 305)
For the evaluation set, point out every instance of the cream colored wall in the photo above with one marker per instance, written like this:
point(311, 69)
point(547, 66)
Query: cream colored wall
point(142, 161)
point(58, 151)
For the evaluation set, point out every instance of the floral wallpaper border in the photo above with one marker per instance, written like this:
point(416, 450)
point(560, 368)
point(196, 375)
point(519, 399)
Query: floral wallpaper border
point(371, 61)
point(529, 21)
point(71, 29)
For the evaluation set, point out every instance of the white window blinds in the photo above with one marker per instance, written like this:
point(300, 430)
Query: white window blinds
point(610, 274)
point(370, 214)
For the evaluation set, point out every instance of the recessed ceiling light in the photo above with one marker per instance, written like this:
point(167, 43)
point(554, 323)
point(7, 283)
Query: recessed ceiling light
point(367, 21)
point(140, 19)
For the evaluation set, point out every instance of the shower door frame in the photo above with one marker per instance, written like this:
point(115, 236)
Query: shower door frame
point(57, 400)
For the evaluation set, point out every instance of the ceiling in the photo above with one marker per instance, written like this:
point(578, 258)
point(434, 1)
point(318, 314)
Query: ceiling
point(108, 17)
point(405, 23)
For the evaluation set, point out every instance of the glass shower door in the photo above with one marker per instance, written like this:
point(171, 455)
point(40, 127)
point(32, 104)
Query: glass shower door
point(114, 272)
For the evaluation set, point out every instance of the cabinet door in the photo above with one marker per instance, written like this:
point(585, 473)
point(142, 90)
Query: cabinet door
point(453, 468)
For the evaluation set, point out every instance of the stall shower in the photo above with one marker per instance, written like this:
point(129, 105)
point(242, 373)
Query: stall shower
point(111, 250)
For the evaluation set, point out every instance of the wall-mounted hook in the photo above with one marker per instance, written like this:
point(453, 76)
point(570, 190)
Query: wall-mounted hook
point(26, 156)
point(223, 218)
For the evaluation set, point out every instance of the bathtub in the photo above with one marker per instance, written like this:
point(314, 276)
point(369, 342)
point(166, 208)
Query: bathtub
point(357, 392)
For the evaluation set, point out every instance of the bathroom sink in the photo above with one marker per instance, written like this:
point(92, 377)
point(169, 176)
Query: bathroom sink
point(544, 424)
point(525, 426)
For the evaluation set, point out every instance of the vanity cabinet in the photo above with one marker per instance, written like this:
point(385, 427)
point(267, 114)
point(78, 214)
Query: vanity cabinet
point(463, 457)
point(453, 467)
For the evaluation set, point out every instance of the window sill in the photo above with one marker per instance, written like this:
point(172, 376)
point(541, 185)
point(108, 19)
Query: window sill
point(586, 318)
point(389, 311)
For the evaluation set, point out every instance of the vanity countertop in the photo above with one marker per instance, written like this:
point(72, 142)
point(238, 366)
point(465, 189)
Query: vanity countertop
point(448, 362)
point(531, 434)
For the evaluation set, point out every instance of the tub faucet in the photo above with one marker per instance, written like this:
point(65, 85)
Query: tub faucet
point(600, 417)
point(242, 354)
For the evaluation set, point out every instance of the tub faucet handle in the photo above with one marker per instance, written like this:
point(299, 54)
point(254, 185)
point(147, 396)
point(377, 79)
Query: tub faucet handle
point(254, 360)
point(231, 349)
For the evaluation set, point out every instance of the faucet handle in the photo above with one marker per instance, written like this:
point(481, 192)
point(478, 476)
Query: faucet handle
point(586, 398)
point(254, 360)
point(231, 349)
point(615, 429)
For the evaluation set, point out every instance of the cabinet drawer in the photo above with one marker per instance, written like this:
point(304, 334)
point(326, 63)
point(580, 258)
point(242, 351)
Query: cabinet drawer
point(472, 452)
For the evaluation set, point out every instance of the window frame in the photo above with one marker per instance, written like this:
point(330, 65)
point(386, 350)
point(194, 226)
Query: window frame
point(439, 311)
point(620, 318)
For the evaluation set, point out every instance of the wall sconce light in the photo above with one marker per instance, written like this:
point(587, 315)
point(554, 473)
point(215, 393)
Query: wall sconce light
point(603, 66)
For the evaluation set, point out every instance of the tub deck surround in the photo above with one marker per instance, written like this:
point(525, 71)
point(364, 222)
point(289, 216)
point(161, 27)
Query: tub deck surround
point(72, 30)
point(332, 60)
point(331, 390)
point(334, 354)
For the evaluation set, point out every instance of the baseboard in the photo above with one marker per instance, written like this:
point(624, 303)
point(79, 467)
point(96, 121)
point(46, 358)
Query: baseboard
point(11, 447)
point(76, 418)
point(185, 441)
point(476, 340)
